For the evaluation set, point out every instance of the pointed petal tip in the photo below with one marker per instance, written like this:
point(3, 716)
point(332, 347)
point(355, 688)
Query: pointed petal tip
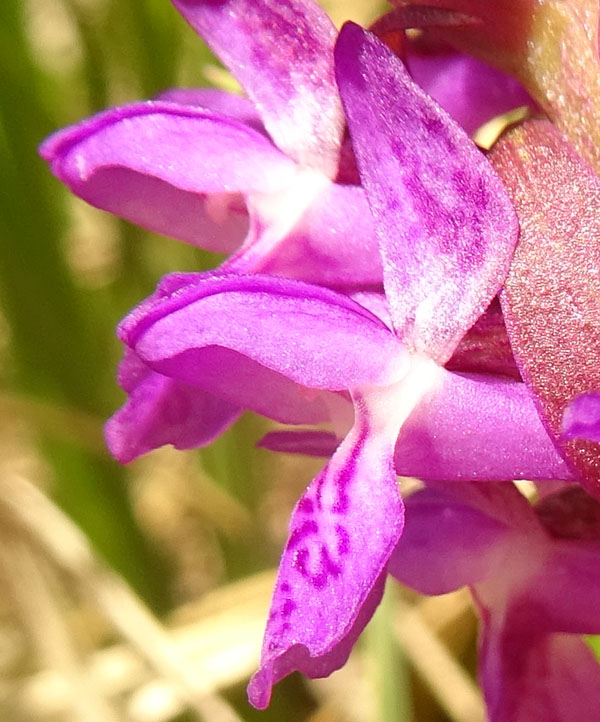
point(259, 688)
point(280, 52)
point(113, 438)
point(349, 40)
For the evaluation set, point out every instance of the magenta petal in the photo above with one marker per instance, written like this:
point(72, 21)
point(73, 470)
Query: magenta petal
point(217, 101)
point(477, 427)
point(574, 567)
point(471, 91)
point(304, 333)
point(154, 163)
point(466, 428)
point(281, 53)
point(446, 544)
point(527, 677)
point(342, 533)
point(162, 411)
point(446, 227)
point(581, 418)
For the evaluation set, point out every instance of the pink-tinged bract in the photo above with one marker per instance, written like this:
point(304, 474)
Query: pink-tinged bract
point(485, 347)
point(551, 299)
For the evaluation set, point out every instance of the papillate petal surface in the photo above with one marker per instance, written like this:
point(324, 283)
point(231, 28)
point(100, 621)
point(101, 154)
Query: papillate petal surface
point(155, 163)
point(342, 533)
point(551, 300)
point(304, 333)
point(477, 427)
point(445, 225)
point(281, 53)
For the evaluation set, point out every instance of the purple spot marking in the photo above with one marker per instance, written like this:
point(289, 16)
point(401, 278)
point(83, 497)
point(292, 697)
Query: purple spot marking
point(347, 473)
point(434, 125)
point(288, 607)
point(398, 149)
point(306, 505)
point(344, 477)
point(343, 539)
point(307, 528)
point(327, 567)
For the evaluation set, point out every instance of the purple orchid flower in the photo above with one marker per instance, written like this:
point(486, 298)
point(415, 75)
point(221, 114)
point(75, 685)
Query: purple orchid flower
point(296, 351)
point(252, 176)
point(534, 575)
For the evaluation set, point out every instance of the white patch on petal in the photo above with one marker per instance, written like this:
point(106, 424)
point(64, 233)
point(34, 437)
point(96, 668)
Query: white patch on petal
point(276, 214)
point(389, 406)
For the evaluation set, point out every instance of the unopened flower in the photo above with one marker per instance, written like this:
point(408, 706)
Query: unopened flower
point(549, 46)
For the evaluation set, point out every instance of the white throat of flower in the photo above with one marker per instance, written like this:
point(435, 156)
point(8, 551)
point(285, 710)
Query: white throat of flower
point(275, 215)
point(388, 405)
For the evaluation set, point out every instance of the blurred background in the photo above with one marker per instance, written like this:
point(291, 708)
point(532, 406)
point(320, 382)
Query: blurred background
point(140, 593)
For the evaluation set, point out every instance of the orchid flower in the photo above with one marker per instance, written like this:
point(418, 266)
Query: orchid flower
point(535, 579)
point(446, 233)
point(551, 301)
point(255, 176)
